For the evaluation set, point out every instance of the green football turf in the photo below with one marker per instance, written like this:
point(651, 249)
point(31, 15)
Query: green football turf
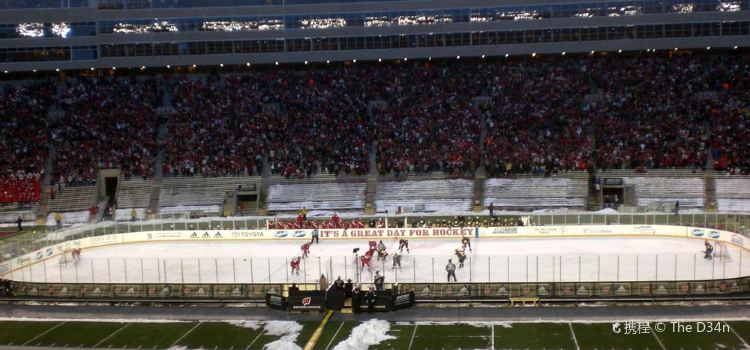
point(742, 329)
point(601, 336)
point(403, 335)
point(534, 336)
point(331, 330)
point(78, 334)
point(154, 335)
point(720, 338)
point(460, 336)
point(17, 333)
point(219, 335)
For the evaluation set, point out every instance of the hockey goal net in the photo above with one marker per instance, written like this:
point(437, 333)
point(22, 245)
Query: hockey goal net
point(721, 251)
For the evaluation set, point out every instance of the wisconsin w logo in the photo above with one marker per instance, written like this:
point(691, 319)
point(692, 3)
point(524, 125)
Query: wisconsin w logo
point(306, 301)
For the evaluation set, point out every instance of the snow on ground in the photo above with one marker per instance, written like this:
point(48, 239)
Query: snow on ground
point(366, 334)
point(246, 324)
point(492, 260)
point(288, 330)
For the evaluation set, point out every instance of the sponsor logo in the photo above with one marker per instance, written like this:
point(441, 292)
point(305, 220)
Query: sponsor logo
point(505, 231)
point(737, 239)
point(306, 301)
point(403, 299)
point(194, 235)
point(645, 228)
point(21, 261)
point(547, 230)
point(38, 255)
point(206, 235)
point(4, 267)
point(281, 234)
point(714, 234)
point(161, 235)
point(247, 234)
point(102, 239)
point(298, 234)
point(276, 300)
point(698, 232)
point(50, 251)
point(218, 235)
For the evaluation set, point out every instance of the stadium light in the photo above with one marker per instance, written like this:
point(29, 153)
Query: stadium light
point(168, 66)
point(328, 61)
point(221, 65)
point(506, 55)
point(380, 60)
point(619, 51)
point(277, 63)
point(675, 49)
point(735, 47)
point(194, 66)
point(57, 69)
point(354, 60)
point(34, 70)
point(305, 62)
point(533, 54)
point(114, 68)
point(458, 57)
point(482, 56)
point(92, 68)
point(592, 52)
point(406, 59)
point(708, 47)
point(429, 58)
point(563, 53)
point(6, 72)
point(143, 67)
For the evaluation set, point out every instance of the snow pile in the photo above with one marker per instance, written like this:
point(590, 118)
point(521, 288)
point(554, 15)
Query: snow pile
point(246, 324)
point(368, 333)
point(288, 330)
point(178, 347)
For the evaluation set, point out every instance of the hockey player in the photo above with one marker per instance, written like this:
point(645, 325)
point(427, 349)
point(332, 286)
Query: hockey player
point(381, 246)
point(76, 256)
point(465, 242)
point(295, 264)
point(709, 252)
point(305, 250)
point(461, 255)
point(403, 243)
point(396, 260)
point(365, 261)
point(373, 246)
point(382, 253)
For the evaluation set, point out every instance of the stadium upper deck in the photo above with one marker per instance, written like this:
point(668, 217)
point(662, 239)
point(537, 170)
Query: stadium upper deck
point(34, 34)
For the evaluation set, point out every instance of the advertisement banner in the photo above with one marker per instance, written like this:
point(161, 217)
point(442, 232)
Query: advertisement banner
point(275, 301)
point(306, 301)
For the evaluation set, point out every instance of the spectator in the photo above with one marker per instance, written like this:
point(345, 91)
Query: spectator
point(293, 289)
point(58, 220)
point(19, 222)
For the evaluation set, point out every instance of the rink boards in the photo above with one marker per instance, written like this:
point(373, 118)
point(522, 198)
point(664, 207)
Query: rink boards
point(378, 234)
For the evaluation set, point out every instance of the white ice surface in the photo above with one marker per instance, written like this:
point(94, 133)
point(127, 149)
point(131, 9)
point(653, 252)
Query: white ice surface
point(492, 260)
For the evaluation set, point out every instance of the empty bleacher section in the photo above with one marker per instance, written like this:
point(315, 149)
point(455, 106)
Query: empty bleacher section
point(657, 191)
point(526, 193)
point(733, 194)
point(317, 196)
point(206, 194)
point(73, 198)
point(424, 196)
point(134, 193)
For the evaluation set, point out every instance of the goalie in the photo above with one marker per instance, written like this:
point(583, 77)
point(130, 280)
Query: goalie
point(709, 252)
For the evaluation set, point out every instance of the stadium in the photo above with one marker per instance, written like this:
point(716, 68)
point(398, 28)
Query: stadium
point(374, 174)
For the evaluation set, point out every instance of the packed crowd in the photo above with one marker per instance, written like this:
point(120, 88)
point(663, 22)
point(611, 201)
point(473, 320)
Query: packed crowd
point(536, 125)
point(536, 116)
point(105, 123)
point(23, 145)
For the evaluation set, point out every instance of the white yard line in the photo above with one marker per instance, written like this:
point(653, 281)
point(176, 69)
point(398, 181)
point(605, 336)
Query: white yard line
point(573, 333)
point(658, 340)
point(492, 340)
point(43, 333)
point(412, 336)
point(110, 336)
point(256, 339)
point(747, 346)
point(330, 342)
point(186, 333)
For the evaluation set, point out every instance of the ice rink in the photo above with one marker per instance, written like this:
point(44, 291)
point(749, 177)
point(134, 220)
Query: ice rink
point(492, 260)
